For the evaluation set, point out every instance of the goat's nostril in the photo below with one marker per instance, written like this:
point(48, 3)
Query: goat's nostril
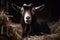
point(27, 17)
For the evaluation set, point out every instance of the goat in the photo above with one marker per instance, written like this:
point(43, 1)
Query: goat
point(28, 20)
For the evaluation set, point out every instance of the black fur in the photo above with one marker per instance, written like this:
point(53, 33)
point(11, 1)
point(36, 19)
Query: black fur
point(36, 28)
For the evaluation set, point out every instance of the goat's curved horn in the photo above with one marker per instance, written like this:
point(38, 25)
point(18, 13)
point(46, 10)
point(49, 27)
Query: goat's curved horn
point(27, 4)
point(15, 7)
point(41, 6)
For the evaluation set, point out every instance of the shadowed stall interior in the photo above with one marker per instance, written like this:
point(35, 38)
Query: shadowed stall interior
point(49, 16)
point(50, 13)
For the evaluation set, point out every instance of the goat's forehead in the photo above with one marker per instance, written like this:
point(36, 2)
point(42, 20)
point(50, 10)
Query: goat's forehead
point(27, 8)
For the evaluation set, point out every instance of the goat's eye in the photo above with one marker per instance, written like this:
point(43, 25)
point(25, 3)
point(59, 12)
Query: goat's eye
point(33, 10)
point(22, 9)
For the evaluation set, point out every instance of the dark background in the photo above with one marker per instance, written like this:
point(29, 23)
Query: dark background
point(52, 8)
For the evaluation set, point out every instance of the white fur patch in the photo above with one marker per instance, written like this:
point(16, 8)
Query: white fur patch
point(26, 15)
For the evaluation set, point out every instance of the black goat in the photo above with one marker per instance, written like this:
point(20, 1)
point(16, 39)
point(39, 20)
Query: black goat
point(29, 22)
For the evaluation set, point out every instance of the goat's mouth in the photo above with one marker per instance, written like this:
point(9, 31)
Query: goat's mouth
point(28, 21)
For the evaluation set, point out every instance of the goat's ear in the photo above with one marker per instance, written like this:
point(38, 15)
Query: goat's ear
point(15, 7)
point(41, 7)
